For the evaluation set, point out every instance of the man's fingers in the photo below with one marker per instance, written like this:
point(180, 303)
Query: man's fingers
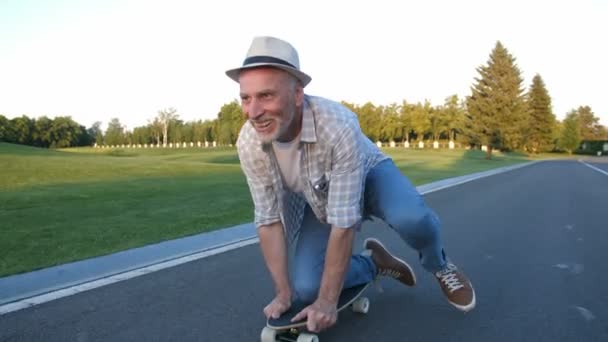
point(300, 316)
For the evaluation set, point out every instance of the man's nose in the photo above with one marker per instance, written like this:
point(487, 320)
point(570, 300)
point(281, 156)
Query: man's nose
point(254, 110)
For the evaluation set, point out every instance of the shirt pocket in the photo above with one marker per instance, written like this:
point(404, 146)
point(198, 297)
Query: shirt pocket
point(320, 184)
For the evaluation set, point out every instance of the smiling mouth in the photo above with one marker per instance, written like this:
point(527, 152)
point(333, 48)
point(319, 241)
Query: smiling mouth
point(263, 125)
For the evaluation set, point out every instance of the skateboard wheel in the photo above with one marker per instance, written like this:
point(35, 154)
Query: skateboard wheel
point(361, 305)
point(268, 335)
point(308, 338)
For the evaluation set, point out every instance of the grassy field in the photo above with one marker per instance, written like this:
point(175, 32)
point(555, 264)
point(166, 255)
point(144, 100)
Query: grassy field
point(58, 206)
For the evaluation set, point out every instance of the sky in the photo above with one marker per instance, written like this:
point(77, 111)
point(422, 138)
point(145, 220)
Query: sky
point(129, 59)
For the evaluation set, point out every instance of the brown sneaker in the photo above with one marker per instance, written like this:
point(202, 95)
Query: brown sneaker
point(456, 287)
point(389, 265)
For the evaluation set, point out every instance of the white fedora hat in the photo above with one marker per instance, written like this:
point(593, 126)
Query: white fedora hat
point(273, 52)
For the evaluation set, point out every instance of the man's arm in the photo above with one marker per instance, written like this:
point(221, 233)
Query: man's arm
point(337, 261)
point(323, 313)
point(274, 249)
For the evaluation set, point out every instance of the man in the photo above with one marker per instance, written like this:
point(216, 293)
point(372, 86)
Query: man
point(314, 177)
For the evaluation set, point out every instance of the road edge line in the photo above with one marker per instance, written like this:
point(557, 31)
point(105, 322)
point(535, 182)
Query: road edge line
point(593, 167)
point(90, 285)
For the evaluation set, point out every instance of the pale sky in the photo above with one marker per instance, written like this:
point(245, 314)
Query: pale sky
point(95, 60)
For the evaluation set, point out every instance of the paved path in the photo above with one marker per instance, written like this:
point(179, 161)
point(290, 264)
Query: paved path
point(533, 241)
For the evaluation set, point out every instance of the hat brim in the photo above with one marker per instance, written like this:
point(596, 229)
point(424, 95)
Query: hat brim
point(304, 79)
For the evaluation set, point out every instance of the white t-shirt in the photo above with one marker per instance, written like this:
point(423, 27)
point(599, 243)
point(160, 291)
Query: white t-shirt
point(288, 156)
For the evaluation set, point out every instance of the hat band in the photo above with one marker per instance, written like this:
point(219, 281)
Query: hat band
point(266, 59)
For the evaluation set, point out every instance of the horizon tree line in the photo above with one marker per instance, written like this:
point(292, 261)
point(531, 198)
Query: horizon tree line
point(499, 114)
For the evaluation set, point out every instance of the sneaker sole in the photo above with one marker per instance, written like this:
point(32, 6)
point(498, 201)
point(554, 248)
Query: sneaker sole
point(401, 261)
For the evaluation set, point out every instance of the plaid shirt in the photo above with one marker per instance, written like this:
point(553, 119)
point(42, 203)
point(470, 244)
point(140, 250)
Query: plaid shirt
point(336, 158)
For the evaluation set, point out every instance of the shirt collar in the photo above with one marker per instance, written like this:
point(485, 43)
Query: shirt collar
point(309, 133)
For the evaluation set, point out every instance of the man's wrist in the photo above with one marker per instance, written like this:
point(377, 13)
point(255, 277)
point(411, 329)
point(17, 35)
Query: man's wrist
point(284, 295)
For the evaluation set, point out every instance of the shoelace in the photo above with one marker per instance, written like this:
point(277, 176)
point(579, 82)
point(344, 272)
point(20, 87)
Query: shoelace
point(450, 279)
point(389, 272)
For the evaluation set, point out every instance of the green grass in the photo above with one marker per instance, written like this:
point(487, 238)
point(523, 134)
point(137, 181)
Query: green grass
point(58, 206)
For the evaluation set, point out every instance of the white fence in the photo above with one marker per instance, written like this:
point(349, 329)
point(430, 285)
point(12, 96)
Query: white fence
point(198, 144)
point(420, 144)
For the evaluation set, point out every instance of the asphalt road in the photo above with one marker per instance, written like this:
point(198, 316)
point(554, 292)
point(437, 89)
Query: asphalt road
point(533, 241)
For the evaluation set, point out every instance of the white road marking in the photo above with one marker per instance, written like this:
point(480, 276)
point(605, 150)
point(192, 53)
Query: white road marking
point(593, 167)
point(72, 290)
point(587, 315)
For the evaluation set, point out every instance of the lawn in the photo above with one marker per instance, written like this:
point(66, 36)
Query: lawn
point(58, 206)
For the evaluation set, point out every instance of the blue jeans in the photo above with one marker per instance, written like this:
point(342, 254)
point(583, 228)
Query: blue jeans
point(389, 196)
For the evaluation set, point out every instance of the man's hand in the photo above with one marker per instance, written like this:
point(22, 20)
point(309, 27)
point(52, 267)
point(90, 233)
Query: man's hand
point(321, 315)
point(277, 307)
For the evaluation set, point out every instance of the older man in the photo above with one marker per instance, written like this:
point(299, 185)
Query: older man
point(314, 177)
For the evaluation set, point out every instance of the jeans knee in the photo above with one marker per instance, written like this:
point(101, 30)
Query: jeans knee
point(307, 288)
point(418, 227)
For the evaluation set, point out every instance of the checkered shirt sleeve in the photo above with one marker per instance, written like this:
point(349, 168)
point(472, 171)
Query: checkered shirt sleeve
point(254, 163)
point(347, 177)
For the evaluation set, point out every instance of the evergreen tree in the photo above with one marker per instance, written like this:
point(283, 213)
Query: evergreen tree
point(539, 131)
point(496, 106)
point(587, 123)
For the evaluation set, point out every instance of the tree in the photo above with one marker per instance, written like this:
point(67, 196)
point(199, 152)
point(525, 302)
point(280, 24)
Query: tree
point(496, 106)
point(390, 128)
point(421, 122)
point(438, 122)
point(23, 128)
point(209, 130)
point(571, 139)
point(165, 118)
point(175, 130)
point(369, 120)
point(601, 132)
point(229, 121)
point(6, 130)
point(588, 123)
point(83, 138)
point(96, 133)
point(539, 131)
point(115, 133)
point(453, 114)
point(42, 132)
point(64, 132)
point(156, 130)
point(405, 120)
point(141, 135)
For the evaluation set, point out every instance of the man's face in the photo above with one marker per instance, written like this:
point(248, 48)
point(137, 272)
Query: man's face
point(271, 99)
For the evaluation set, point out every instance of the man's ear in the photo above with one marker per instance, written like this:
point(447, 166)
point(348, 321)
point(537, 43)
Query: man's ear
point(299, 91)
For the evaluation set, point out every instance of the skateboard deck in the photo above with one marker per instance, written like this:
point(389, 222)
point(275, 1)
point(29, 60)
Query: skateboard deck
point(282, 329)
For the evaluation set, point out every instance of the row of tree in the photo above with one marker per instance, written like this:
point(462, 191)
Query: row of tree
point(498, 113)
point(59, 132)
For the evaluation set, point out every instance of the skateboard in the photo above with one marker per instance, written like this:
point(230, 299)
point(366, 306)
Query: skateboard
point(282, 329)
